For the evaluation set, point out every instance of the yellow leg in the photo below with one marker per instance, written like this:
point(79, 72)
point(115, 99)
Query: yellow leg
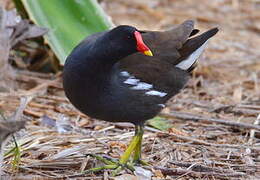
point(111, 166)
point(134, 146)
point(138, 150)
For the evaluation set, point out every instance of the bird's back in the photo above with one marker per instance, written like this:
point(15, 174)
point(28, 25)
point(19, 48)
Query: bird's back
point(175, 55)
point(137, 87)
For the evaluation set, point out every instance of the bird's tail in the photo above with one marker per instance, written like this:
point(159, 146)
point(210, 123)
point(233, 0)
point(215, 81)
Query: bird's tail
point(192, 49)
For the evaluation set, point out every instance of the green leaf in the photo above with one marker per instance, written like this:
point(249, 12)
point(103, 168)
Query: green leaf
point(160, 123)
point(68, 21)
point(16, 155)
point(15, 151)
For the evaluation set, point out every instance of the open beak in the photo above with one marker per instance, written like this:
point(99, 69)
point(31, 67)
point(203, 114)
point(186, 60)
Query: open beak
point(141, 46)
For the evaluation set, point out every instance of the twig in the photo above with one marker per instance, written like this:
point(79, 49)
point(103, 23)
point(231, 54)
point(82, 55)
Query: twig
point(247, 155)
point(83, 175)
point(41, 88)
point(54, 98)
point(100, 141)
point(201, 142)
point(200, 167)
point(248, 106)
point(239, 109)
point(38, 172)
point(33, 113)
point(30, 74)
point(23, 104)
point(191, 117)
point(180, 171)
point(252, 132)
point(41, 83)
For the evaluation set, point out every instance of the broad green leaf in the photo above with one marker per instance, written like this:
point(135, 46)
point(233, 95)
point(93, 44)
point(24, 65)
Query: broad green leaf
point(68, 21)
point(160, 123)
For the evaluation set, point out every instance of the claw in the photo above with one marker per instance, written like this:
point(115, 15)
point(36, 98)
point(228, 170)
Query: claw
point(96, 169)
point(134, 149)
point(105, 160)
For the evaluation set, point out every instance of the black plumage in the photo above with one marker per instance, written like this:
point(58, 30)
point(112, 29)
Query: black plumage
point(107, 78)
point(92, 79)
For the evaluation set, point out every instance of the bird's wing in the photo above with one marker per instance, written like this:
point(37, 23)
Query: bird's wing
point(165, 44)
point(175, 53)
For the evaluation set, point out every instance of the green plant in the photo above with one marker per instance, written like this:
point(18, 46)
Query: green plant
point(68, 21)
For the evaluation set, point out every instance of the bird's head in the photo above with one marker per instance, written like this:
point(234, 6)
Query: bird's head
point(129, 38)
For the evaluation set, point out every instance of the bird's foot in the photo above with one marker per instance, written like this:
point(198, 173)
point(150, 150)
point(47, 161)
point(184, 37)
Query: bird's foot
point(97, 169)
point(141, 162)
point(112, 164)
point(125, 162)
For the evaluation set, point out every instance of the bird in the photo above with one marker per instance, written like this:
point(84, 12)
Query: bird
point(127, 75)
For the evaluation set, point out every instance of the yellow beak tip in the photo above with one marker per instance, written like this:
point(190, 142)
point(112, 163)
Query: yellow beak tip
point(148, 53)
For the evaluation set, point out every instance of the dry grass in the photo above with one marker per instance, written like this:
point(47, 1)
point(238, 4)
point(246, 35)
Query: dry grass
point(225, 87)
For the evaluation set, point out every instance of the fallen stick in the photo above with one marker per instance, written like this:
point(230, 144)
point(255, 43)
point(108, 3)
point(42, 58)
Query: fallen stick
point(247, 155)
point(200, 167)
point(192, 117)
point(188, 172)
point(239, 109)
point(252, 131)
point(201, 142)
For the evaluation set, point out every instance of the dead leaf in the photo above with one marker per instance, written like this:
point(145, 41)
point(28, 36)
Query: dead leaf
point(24, 30)
point(63, 125)
point(114, 144)
point(47, 121)
point(6, 79)
point(237, 94)
point(12, 31)
point(158, 174)
point(9, 127)
point(177, 131)
point(142, 174)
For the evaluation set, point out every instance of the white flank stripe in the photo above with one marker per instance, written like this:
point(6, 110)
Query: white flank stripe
point(187, 63)
point(142, 86)
point(131, 81)
point(161, 105)
point(125, 74)
point(156, 93)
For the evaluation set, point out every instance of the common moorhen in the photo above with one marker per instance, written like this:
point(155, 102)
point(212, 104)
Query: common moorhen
point(107, 76)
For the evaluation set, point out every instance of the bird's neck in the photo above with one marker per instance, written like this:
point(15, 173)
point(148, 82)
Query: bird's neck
point(94, 62)
point(100, 57)
point(106, 52)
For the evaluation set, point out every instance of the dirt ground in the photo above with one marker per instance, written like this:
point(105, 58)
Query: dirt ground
point(216, 132)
